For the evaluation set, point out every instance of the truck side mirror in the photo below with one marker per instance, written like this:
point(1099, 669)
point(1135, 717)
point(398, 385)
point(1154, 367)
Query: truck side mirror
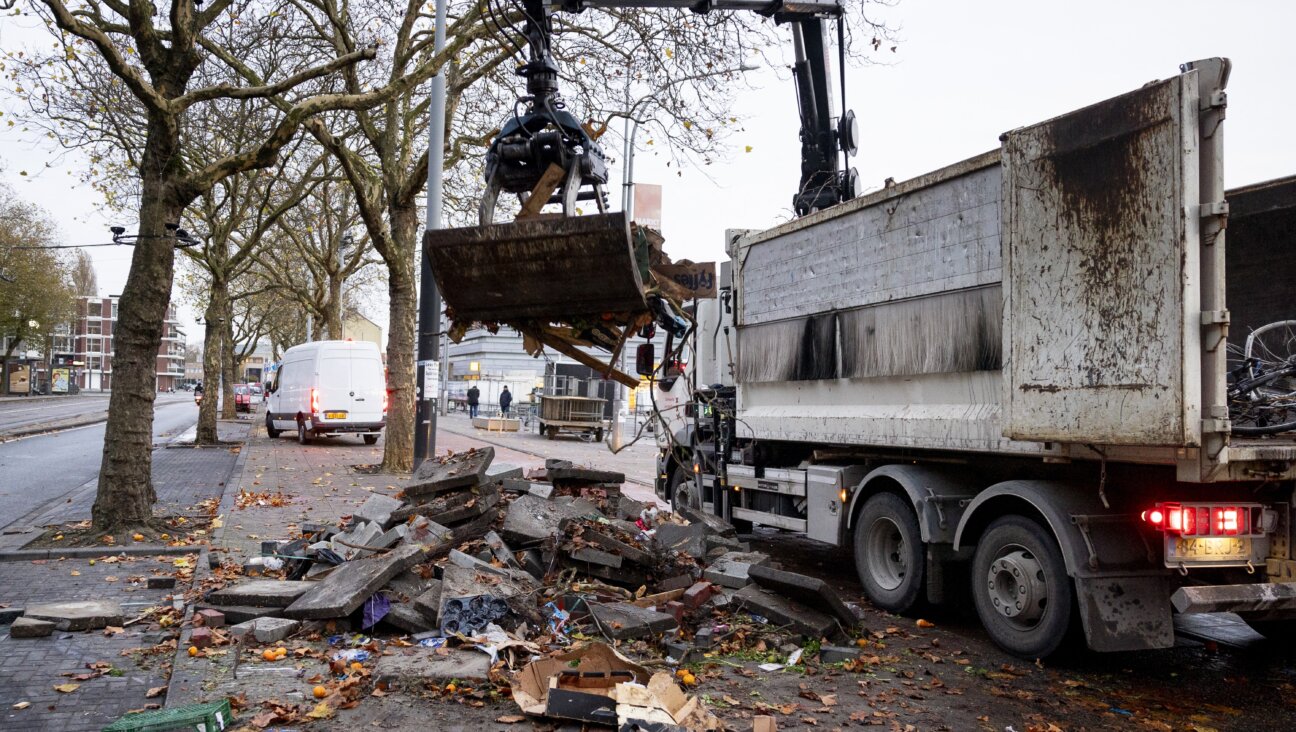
point(645, 355)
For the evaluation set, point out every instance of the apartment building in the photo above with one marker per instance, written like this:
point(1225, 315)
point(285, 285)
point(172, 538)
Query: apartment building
point(92, 344)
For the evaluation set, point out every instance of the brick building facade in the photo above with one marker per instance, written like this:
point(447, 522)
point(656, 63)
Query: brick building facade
point(92, 342)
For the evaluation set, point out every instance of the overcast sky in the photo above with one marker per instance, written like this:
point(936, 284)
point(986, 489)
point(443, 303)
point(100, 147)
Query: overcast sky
point(964, 73)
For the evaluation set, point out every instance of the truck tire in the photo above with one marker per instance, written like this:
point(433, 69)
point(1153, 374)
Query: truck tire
point(270, 428)
point(1020, 587)
point(303, 435)
point(889, 554)
point(686, 497)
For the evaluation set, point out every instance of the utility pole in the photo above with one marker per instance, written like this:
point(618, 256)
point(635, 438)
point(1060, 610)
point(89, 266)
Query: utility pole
point(429, 322)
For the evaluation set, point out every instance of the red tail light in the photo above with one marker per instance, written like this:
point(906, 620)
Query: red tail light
point(386, 399)
point(1207, 519)
point(315, 401)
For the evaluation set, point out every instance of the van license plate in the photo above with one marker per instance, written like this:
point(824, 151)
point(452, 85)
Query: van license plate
point(1210, 548)
point(335, 415)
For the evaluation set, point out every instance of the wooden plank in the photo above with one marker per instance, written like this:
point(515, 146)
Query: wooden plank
point(558, 344)
point(544, 189)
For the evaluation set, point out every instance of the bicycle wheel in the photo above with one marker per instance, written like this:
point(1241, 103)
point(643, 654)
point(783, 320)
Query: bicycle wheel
point(1262, 398)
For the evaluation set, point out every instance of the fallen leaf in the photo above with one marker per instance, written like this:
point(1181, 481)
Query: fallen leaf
point(925, 623)
point(67, 688)
point(510, 719)
point(75, 573)
point(22, 705)
point(321, 711)
point(156, 691)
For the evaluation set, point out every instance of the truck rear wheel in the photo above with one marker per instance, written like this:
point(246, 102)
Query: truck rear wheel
point(889, 553)
point(1020, 587)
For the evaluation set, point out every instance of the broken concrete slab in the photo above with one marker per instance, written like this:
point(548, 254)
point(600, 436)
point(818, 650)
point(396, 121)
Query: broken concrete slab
point(408, 584)
point(690, 539)
point(486, 501)
point(556, 463)
point(498, 472)
point(30, 628)
point(422, 530)
point(590, 555)
point(378, 509)
point(351, 584)
point(531, 519)
point(784, 612)
point(500, 550)
point(621, 620)
point(459, 471)
point(350, 544)
point(459, 559)
point(629, 509)
point(459, 582)
point(838, 654)
point(583, 475)
point(406, 616)
point(604, 536)
point(161, 583)
point(714, 524)
point(261, 593)
point(239, 613)
point(730, 569)
point(83, 615)
point(418, 666)
point(541, 490)
point(810, 591)
point(428, 602)
point(266, 630)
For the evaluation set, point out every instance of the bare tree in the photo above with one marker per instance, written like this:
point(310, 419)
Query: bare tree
point(152, 56)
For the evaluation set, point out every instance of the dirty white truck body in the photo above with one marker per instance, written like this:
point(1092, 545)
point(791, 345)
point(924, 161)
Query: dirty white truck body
point(1037, 333)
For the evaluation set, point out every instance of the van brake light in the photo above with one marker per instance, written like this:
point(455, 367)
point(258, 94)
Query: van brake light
point(386, 399)
point(315, 401)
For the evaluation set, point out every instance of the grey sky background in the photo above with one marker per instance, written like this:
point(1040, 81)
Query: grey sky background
point(963, 73)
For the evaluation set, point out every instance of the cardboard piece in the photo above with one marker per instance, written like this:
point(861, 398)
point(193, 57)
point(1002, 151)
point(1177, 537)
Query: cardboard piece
point(661, 702)
point(580, 684)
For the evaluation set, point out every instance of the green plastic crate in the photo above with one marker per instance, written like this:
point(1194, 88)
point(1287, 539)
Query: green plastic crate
point(210, 717)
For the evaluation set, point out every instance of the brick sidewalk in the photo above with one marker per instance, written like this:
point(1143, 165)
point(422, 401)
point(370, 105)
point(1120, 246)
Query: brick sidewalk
point(31, 668)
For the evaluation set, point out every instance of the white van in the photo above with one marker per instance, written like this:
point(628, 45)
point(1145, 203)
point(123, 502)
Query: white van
point(329, 388)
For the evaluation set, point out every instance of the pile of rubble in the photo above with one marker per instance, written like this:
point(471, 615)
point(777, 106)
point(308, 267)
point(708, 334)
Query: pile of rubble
point(516, 569)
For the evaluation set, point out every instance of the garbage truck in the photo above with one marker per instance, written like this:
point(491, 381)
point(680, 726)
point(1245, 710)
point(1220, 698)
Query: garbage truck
point(1054, 378)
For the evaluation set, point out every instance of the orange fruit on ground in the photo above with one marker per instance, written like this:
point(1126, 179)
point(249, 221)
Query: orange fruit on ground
point(193, 650)
point(138, 537)
point(450, 688)
point(269, 655)
point(320, 692)
point(356, 665)
point(689, 679)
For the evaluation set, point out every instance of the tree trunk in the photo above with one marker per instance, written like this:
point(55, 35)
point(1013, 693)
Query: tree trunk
point(125, 496)
point(228, 366)
point(333, 315)
point(212, 350)
point(398, 453)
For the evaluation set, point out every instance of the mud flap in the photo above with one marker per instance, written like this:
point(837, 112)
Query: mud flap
point(1129, 613)
point(544, 268)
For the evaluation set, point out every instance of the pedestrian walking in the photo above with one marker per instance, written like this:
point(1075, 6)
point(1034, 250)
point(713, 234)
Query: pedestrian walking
point(505, 400)
point(474, 394)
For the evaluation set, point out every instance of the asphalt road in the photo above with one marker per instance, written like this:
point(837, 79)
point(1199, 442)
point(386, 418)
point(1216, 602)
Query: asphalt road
point(41, 468)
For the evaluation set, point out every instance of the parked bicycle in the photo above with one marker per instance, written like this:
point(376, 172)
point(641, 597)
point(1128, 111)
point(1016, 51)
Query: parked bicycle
point(1262, 384)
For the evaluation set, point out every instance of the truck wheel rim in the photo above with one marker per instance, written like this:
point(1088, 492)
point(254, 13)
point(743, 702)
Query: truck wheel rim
point(1018, 591)
point(887, 555)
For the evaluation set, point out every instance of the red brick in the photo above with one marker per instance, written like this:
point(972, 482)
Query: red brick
point(209, 618)
point(201, 637)
point(676, 609)
point(697, 595)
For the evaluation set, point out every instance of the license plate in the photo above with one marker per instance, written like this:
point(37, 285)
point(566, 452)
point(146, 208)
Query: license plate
point(1209, 548)
point(335, 415)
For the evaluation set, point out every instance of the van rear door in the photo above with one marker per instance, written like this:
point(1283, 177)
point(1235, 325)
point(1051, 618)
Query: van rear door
point(369, 386)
